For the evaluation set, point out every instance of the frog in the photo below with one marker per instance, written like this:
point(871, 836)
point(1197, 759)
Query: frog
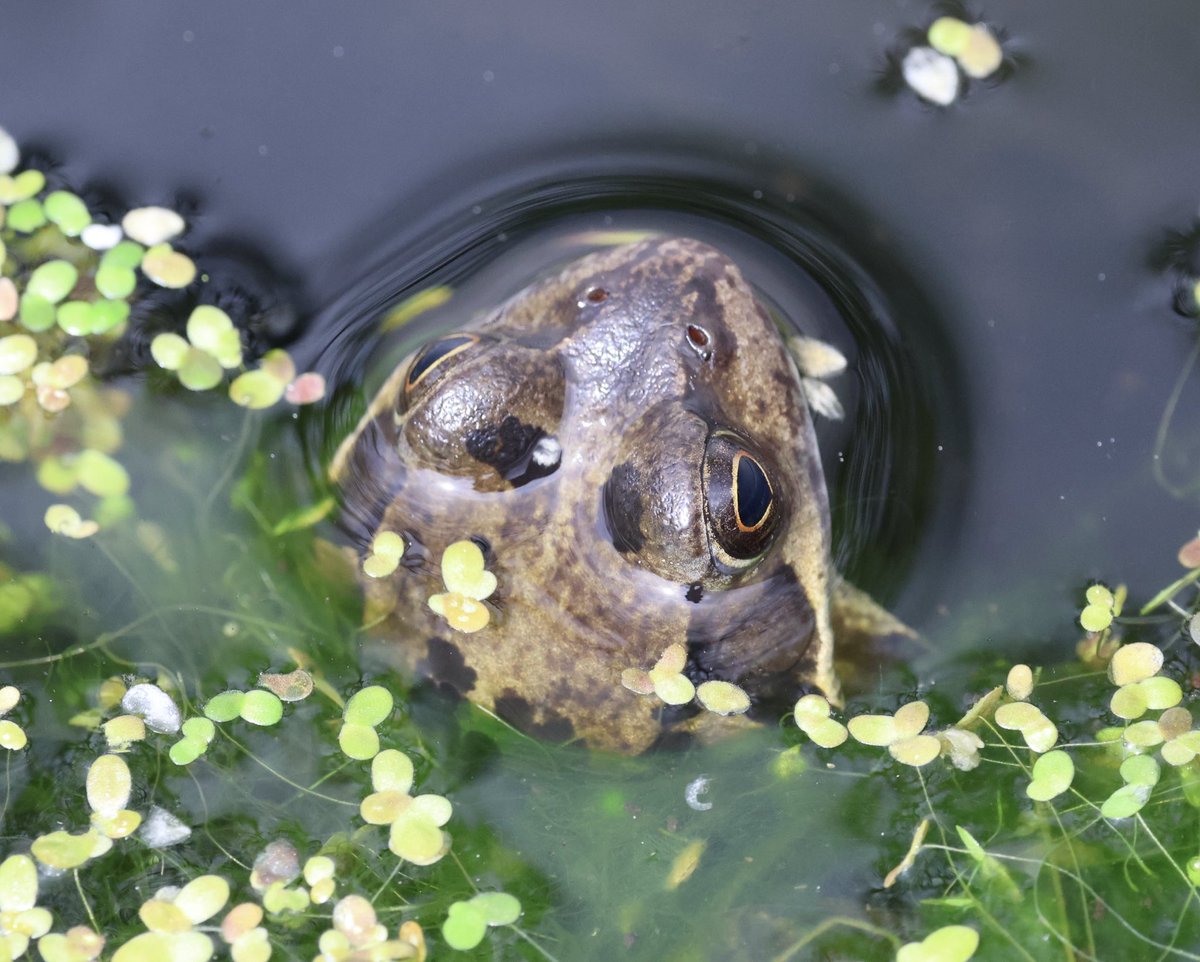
point(627, 449)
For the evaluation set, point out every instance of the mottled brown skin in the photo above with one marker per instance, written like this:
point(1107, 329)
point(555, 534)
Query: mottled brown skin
point(615, 552)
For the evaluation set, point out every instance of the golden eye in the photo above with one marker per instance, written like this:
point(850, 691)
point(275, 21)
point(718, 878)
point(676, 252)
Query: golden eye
point(752, 494)
point(434, 355)
point(741, 503)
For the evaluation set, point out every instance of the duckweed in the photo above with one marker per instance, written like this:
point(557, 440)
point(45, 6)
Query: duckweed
point(152, 225)
point(26, 216)
point(1134, 663)
point(387, 548)
point(949, 35)
point(68, 212)
point(722, 698)
point(1052, 775)
point(467, 922)
point(812, 716)
point(952, 943)
point(20, 187)
point(256, 390)
point(468, 583)
point(167, 267)
point(18, 352)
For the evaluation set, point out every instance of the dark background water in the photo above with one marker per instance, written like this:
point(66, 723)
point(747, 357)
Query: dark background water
point(1028, 211)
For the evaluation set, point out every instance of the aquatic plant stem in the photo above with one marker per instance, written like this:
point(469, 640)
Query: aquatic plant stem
point(282, 777)
point(87, 906)
point(838, 921)
point(233, 462)
point(988, 919)
point(1164, 426)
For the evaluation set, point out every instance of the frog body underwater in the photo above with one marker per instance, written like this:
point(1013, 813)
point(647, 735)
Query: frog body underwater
point(631, 445)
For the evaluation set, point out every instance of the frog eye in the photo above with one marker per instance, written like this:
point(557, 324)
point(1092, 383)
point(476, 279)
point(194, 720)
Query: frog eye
point(740, 500)
point(435, 355)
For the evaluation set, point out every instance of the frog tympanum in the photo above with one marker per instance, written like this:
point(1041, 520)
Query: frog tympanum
point(630, 445)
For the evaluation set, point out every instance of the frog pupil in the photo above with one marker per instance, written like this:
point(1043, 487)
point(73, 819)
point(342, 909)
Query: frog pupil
point(435, 353)
point(752, 493)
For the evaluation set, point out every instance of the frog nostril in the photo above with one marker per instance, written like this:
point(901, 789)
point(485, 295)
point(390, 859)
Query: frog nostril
point(700, 340)
point(596, 295)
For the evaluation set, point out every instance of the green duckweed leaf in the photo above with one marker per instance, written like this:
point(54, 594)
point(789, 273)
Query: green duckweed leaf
point(1019, 683)
point(36, 313)
point(26, 216)
point(916, 750)
point(108, 315)
point(225, 707)
point(18, 884)
point(26, 184)
point(391, 771)
point(12, 736)
point(369, 706)
point(187, 750)
point(109, 784)
point(1161, 692)
point(201, 728)
point(465, 926)
point(497, 908)
point(463, 571)
point(911, 719)
point(168, 268)
point(255, 390)
point(188, 946)
point(1126, 801)
point(115, 282)
point(949, 35)
point(18, 352)
point(1128, 701)
point(358, 741)
point(199, 370)
point(1140, 770)
point(202, 898)
point(414, 837)
point(1052, 775)
point(126, 254)
point(1134, 663)
point(877, 730)
point(722, 698)
point(68, 211)
point(75, 318)
point(674, 689)
point(260, 707)
point(61, 850)
point(100, 474)
point(952, 943)
point(1143, 734)
point(169, 351)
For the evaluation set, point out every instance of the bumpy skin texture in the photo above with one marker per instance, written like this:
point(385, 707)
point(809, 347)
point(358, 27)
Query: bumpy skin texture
point(651, 365)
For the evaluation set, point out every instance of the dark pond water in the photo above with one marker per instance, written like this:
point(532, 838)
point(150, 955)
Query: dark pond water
point(991, 269)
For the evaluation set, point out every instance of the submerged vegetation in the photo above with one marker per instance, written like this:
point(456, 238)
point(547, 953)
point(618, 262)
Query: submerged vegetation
point(198, 761)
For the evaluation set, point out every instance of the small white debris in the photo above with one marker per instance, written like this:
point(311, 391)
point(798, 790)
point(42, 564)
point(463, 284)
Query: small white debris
point(816, 358)
point(822, 399)
point(156, 708)
point(696, 787)
point(933, 76)
point(547, 452)
point(10, 153)
point(100, 237)
point(152, 225)
point(161, 829)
